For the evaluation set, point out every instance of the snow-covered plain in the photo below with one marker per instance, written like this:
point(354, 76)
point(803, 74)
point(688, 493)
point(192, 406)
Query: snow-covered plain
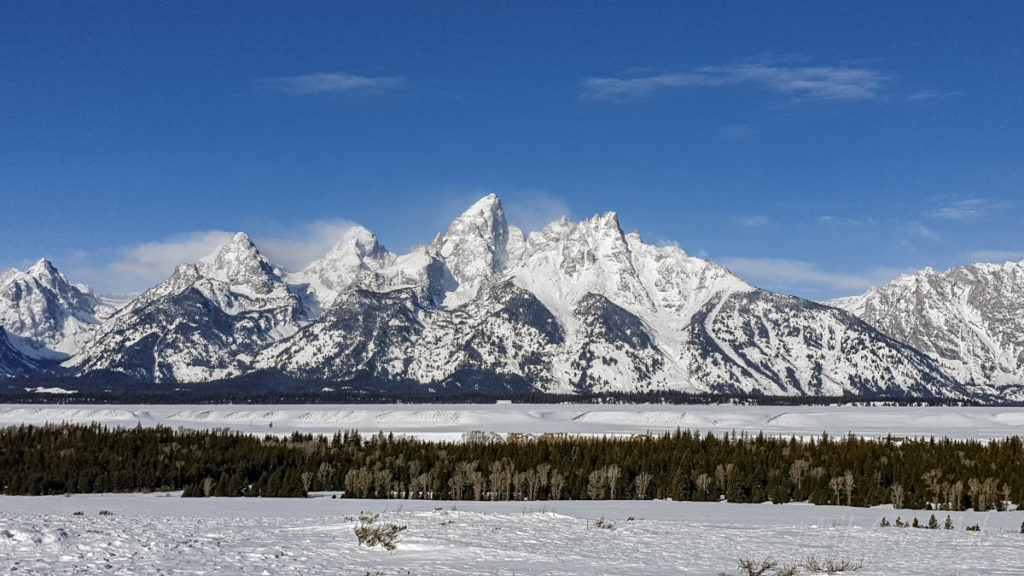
point(164, 534)
point(450, 422)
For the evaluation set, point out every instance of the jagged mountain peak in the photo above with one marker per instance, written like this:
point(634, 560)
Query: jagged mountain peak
point(476, 244)
point(46, 311)
point(357, 240)
point(358, 254)
point(970, 319)
point(240, 264)
point(42, 268)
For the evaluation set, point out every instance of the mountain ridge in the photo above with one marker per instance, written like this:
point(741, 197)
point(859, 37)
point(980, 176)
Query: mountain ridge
point(574, 308)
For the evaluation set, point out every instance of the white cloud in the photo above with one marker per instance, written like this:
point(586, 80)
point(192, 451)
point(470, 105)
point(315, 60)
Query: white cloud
point(996, 256)
point(139, 267)
point(298, 249)
point(144, 265)
point(929, 95)
point(963, 210)
point(918, 230)
point(534, 210)
point(755, 221)
point(817, 82)
point(334, 83)
point(789, 276)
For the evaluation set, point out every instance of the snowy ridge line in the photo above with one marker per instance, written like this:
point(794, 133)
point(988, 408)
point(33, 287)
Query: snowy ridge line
point(577, 308)
point(451, 422)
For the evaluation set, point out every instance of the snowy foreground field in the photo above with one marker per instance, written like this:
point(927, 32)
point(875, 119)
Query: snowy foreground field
point(450, 422)
point(163, 534)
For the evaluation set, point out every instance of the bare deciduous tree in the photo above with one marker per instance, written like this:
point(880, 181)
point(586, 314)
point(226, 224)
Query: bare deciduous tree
point(641, 482)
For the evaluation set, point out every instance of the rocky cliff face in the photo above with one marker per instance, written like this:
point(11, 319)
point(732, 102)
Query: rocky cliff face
point(971, 320)
point(52, 317)
point(576, 307)
point(207, 321)
point(581, 307)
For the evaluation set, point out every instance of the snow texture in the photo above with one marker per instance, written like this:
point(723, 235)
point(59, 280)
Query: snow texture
point(164, 534)
point(970, 319)
point(52, 317)
point(578, 307)
point(450, 422)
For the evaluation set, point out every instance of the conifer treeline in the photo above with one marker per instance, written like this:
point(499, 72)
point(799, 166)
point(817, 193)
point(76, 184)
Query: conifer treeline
point(684, 465)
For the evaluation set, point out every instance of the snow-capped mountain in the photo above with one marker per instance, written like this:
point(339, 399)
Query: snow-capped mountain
point(971, 320)
point(581, 307)
point(48, 316)
point(577, 307)
point(204, 322)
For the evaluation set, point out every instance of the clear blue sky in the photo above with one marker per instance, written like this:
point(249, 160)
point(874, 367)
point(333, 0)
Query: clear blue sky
point(816, 148)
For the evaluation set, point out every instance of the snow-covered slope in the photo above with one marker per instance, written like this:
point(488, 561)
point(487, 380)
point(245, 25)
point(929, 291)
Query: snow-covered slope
point(204, 322)
point(356, 260)
point(575, 307)
point(12, 361)
point(763, 343)
point(581, 307)
point(971, 320)
point(52, 316)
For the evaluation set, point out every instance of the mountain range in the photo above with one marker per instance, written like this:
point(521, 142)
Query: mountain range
point(575, 308)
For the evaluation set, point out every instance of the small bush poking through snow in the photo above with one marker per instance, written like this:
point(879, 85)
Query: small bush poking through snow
point(383, 534)
point(769, 566)
point(831, 565)
point(752, 567)
point(602, 523)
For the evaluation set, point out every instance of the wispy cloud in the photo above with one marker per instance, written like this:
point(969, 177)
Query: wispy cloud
point(838, 221)
point(333, 83)
point(929, 95)
point(816, 82)
point(755, 221)
point(964, 210)
point(301, 246)
point(919, 230)
point(737, 131)
point(996, 255)
point(140, 266)
point(789, 276)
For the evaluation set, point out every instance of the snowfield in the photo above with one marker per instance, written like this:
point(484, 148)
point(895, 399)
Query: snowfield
point(164, 534)
point(450, 422)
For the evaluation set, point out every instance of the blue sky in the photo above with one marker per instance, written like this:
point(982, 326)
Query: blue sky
point(816, 148)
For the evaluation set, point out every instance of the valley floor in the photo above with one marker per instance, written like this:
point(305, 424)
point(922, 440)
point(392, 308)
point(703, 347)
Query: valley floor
point(451, 421)
point(164, 534)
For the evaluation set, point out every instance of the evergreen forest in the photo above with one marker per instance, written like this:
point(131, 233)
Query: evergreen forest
point(685, 465)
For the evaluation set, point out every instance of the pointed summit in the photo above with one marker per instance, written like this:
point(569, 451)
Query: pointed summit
point(357, 253)
point(476, 244)
point(42, 266)
point(45, 272)
point(239, 263)
point(358, 242)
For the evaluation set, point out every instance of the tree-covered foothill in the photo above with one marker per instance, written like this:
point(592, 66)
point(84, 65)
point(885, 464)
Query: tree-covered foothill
point(684, 465)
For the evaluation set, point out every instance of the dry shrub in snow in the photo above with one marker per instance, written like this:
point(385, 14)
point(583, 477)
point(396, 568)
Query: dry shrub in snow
point(373, 533)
